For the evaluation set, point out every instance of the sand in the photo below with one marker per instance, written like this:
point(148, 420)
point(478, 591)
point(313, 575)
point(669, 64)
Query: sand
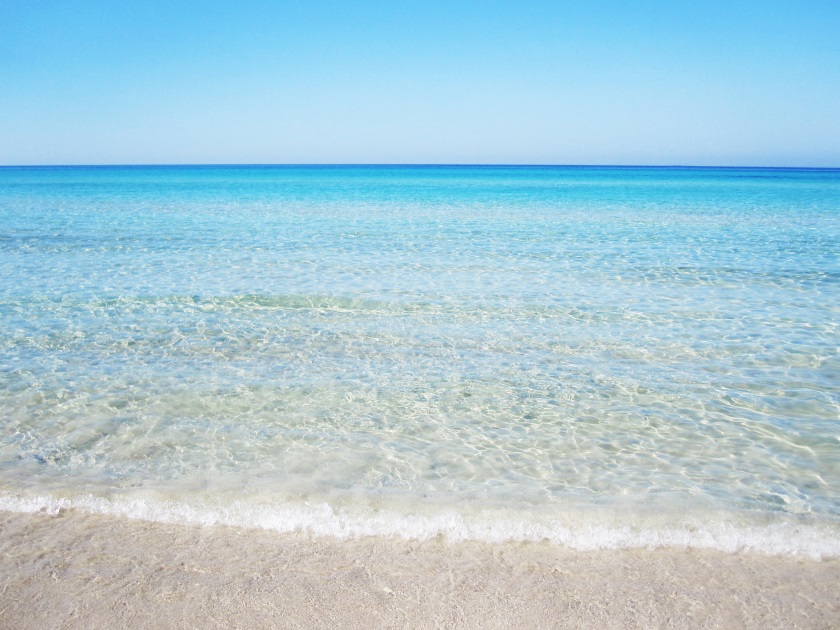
point(76, 570)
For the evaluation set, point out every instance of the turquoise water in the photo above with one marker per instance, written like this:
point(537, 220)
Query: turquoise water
point(600, 357)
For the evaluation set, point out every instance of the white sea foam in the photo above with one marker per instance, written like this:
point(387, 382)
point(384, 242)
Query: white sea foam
point(816, 541)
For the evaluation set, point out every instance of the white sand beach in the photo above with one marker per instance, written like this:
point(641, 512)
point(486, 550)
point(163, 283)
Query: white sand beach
point(76, 570)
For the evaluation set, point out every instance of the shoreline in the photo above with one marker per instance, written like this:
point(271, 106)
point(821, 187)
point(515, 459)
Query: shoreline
point(77, 570)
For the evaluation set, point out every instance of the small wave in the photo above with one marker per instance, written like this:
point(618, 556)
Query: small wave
point(586, 534)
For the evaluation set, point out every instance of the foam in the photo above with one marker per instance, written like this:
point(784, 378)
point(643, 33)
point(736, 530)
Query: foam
point(579, 532)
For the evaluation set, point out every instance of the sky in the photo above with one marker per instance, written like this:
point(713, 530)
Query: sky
point(526, 82)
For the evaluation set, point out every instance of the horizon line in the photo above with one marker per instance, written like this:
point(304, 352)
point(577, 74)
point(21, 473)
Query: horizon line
point(411, 164)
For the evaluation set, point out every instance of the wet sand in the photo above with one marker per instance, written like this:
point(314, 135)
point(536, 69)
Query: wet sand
point(82, 571)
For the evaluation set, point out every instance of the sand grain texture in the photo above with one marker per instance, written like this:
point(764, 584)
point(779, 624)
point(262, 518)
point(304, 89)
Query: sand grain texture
point(82, 571)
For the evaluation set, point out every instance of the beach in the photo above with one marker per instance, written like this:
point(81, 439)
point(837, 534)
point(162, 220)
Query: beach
point(509, 315)
point(74, 570)
point(419, 396)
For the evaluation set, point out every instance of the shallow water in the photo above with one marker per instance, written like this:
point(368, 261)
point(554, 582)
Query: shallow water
point(603, 357)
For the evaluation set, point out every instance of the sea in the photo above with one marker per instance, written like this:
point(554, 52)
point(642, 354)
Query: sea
point(596, 357)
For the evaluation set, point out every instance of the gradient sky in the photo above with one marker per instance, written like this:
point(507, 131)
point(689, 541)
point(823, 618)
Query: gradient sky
point(644, 82)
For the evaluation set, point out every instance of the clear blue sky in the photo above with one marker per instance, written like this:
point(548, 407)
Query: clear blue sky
point(633, 82)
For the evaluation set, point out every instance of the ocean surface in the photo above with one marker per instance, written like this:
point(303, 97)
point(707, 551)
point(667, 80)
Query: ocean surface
point(597, 357)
